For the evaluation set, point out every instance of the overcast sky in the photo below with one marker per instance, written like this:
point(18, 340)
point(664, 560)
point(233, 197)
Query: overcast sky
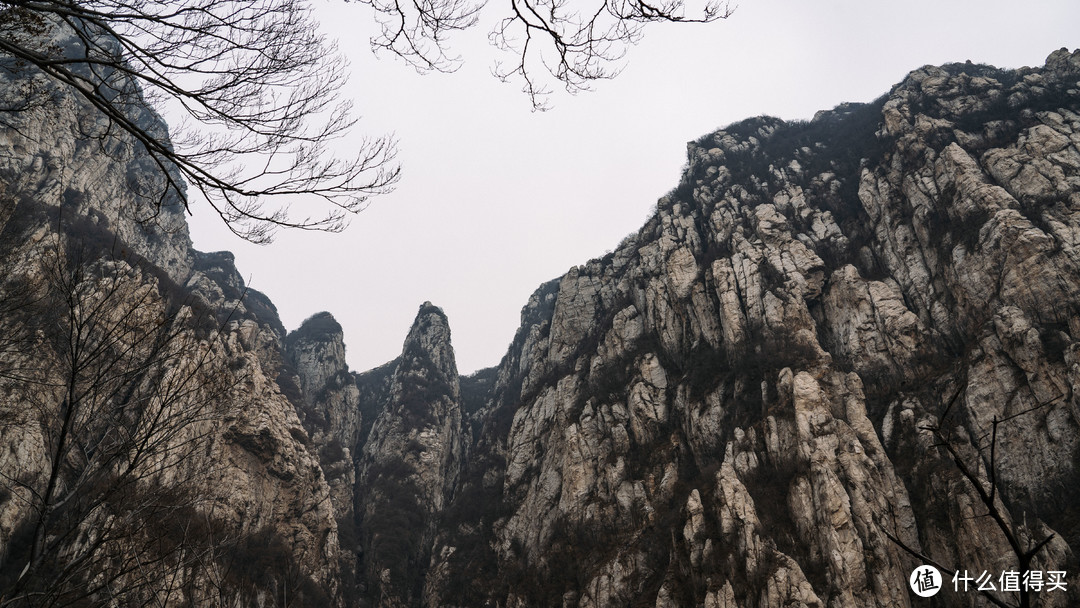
point(495, 199)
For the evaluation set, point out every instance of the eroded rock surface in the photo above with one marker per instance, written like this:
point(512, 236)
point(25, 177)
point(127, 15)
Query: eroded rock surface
point(410, 463)
point(149, 454)
point(733, 408)
point(799, 373)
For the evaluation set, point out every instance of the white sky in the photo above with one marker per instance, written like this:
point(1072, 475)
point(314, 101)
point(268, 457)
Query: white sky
point(495, 199)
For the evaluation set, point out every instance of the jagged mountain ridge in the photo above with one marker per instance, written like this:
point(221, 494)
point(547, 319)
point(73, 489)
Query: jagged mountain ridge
point(731, 409)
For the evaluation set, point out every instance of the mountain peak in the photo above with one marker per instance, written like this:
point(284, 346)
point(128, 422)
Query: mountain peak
point(319, 326)
point(428, 343)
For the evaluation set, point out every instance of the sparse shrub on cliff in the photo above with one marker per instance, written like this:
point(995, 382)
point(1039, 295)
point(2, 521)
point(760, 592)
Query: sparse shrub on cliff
point(332, 451)
point(124, 389)
point(391, 532)
point(262, 563)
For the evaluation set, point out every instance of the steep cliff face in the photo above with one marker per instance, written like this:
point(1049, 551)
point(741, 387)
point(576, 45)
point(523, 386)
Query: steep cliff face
point(331, 403)
point(329, 408)
point(752, 401)
point(149, 455)
point(147, 443)
point(59, 151)
point(838, 349)
point(410, 464)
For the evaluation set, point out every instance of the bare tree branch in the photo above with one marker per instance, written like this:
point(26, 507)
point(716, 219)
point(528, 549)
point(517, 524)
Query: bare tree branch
point(985, 486)
point(255, 77)
point(259, 89)
point(574, 42)
point(126, 407)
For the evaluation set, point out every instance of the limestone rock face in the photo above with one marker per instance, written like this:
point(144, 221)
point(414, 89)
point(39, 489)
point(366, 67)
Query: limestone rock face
point(165, 430)
point(836, 345)
point(59, 152)
point(329, 408)
point(737, 407)
point(331, 403)
point(150, 453)
point(411, 461)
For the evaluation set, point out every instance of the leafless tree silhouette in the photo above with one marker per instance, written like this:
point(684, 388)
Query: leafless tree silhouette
point(257, 86)
point(575, 42)
point(258, 89)
point(982, 477)
point(115, 394)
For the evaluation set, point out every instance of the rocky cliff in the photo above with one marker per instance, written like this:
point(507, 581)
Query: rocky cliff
point(410, 463)
point(829, 343)
point(839, 349)
point(152, 453)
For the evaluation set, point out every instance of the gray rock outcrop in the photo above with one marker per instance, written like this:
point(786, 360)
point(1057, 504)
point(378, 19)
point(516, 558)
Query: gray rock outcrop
point(839, 348)
point(737, 407)
point(58, 151)
point(410, 464)
point(331, 403)
point(149, 454)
